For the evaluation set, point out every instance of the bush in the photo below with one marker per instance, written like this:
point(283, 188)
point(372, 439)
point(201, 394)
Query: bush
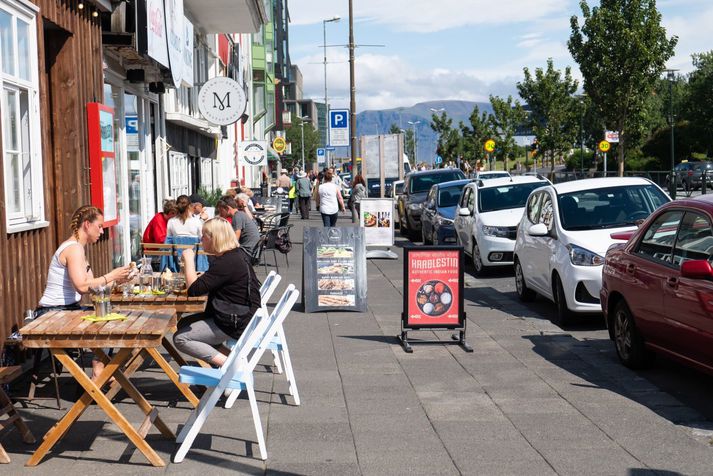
point(574, 161)
point(210, 197)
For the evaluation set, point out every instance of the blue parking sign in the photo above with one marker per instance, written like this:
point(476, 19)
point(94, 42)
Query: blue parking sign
point(320, 152)
point(339, 127)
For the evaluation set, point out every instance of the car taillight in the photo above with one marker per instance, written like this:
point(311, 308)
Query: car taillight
point(690, 173)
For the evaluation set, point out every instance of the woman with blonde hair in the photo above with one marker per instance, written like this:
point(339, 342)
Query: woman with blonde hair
point(233, 294)
point(70, 275)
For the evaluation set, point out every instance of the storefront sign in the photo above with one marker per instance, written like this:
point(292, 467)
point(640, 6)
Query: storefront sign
point(433, 282)
point(376, 216)
point(334, 271)
point(102, 161)
point(156, 42)
point(174, 38)
point(222, 101)
point(187, 76)
point(254, 152)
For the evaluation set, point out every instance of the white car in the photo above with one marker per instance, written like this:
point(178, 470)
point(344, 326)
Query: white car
point(490, 174)
point(487, 218)
point(564, 235)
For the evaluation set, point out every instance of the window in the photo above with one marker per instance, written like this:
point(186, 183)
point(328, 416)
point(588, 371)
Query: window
point(179, 179)
point(533, 207)
point(464, 198)
point(695, 239)
point(546, 213)
point(657, 242)
point(21, 139)
point(471, 201)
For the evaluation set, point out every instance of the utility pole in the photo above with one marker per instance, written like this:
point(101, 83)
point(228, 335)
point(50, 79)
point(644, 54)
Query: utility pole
point(671, 76)
point(415, 140)
point(352, 92)
point(326, 104)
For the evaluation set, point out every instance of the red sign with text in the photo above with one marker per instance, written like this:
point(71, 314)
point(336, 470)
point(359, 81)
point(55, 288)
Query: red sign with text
point(433, 288)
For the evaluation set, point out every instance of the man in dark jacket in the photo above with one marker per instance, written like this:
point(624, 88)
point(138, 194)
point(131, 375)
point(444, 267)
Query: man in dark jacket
point(304, 194)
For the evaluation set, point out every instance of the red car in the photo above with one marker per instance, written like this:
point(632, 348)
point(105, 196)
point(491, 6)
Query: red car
point(657, 288)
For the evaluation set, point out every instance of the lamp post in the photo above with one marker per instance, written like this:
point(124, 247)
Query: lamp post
point(415, 140)
point(326, 104)
point(581, 132)
point(671, 76)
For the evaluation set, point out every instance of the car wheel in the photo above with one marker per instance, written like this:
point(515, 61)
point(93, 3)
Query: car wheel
point(627, 339)
point(403, 226)
point(563, 314)
point(477, 261)
point(523, 292)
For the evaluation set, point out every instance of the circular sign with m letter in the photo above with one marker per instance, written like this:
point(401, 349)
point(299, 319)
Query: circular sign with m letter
point(222, 101)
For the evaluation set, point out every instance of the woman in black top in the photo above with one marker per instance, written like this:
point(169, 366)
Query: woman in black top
point(233, 294)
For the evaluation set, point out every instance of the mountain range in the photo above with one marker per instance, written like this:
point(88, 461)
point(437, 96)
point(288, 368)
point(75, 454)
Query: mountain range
point(419, 115)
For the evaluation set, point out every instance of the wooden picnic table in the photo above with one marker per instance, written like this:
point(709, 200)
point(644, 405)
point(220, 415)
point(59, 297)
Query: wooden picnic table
point(182, 303)
point(140, 334)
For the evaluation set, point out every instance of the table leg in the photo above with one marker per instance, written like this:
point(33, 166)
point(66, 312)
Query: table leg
point(93, 392)
point(135, 362)
point(60, 428)
point(184, 388)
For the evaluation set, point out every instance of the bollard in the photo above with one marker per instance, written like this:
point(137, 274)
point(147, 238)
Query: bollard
point(704, 179)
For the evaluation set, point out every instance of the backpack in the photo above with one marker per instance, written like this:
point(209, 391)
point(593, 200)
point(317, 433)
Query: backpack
point(283, 244)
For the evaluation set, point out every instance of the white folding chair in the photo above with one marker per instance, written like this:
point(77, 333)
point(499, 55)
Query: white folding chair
point(235, 374)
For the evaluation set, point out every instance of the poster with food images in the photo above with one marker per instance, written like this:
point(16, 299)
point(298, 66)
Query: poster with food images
point(334, 272)
point(433, 277)
point(376, 216)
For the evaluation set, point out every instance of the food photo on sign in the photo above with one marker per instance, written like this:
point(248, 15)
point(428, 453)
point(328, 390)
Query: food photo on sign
point(434, 287)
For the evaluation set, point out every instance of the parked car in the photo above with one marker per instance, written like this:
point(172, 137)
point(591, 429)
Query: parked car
point(689, 175)
point(490, 174)
point(439, 211)
point(396, 190)
point(565, 232)
point(657, 288)
point(488, 214)
point(416, 187)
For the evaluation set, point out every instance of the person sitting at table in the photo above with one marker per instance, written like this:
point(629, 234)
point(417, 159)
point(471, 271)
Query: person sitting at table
point(226, 207)
point(184, 224)
point(70, 275)
point(233, 294)
point(157, 228)
point(246, 230)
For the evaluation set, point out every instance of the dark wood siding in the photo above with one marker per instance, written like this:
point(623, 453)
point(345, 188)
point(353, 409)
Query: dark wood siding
point(70, 67)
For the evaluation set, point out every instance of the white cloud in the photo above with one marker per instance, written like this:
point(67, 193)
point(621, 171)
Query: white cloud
point(694, 36)
point(425, 16)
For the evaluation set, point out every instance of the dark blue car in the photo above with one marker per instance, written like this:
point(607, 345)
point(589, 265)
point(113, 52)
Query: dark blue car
point(439, 210)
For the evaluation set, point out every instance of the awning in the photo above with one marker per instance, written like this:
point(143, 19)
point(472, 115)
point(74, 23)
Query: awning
point(226, 16)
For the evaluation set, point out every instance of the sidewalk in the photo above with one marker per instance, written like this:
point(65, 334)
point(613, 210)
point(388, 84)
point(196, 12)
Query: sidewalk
point(531, 399)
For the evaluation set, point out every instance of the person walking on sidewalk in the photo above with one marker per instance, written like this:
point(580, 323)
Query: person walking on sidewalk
point(329, 200)
point(358, 192)
point(304, 194)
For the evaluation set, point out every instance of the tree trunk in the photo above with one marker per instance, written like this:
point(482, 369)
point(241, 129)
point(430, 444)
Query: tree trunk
point(620, 153)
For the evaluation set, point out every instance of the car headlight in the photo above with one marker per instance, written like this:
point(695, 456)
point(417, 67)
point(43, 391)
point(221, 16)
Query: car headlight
point(583, 257)
point(499, 231)
point(414, 207)
point(443, 220)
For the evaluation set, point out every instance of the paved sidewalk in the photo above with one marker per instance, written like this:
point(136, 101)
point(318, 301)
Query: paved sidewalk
point(531, 399)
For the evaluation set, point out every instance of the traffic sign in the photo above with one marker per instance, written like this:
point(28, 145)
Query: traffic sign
point(438, 160)
point(604, 146)
point(320, 152)
point(330, 148)
point(489, 145)
point(339, 127)
point(279, 144)
point(611, 136)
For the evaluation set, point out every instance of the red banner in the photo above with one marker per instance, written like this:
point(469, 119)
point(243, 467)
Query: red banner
point(433, 288)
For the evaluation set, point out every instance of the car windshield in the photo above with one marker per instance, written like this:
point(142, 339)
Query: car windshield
point(449, 196)
point(514, 195)
point(424, 182)
point(493, 175)
point(612, 207)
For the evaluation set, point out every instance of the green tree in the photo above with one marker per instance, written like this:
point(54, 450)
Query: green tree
point(554, 112)
point(449, 144)
point(698, 105)
point(408, 139)
point(507, 117)
point(311, 143)
point(474, 135)
point(621, 49)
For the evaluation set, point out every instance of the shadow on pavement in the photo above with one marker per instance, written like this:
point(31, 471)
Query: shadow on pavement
point(375, 338)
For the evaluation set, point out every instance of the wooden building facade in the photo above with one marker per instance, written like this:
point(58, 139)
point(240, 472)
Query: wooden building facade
point(68, 75)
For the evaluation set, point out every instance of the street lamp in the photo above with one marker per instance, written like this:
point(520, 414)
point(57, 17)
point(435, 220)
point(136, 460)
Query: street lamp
point(335, 18)
point(302, 136)
point(671, 76)
point(415, 140)
point(436, 111)
point(581, 98)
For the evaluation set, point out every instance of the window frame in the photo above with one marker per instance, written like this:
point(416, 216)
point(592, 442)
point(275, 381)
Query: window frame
point(636, 250)
point(32, 209)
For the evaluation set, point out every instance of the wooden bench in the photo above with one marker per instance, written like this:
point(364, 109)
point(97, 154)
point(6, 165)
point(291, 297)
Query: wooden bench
point(7, 375)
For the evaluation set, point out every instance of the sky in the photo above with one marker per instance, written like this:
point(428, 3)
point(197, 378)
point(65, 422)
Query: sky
point(453, 49)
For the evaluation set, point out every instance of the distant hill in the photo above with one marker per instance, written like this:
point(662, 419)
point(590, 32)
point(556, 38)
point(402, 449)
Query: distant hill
point(379, 122)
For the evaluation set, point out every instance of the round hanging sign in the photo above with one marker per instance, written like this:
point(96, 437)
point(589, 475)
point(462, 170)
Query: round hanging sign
point(222, 101)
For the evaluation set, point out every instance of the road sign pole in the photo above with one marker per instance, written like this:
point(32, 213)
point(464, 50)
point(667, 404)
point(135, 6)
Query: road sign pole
point(605, 164)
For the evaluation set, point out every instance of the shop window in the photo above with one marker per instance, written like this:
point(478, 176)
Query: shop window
point(179, 174)
point(21, 139)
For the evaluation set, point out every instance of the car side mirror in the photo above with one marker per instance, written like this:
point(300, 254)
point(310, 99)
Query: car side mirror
point(696, 269)
point(622, 235)
point(464, 212)
point(538, 229)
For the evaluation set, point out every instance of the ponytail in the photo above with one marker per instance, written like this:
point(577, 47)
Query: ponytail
point(82, 214)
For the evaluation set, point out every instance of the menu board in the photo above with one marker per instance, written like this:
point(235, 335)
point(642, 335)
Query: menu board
point(334, 271)
point(433, 281)
point(376, 216)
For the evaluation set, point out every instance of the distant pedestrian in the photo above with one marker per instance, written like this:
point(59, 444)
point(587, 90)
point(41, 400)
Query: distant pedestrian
point(284, 181)
point(358, 192)
point(304, 194)
point(329, 200)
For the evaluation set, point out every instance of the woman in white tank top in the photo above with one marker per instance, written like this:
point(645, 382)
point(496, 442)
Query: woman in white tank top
point(70, 275)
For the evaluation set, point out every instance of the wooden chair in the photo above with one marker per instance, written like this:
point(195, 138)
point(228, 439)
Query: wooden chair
point(235, 375)
point(156, 249)
point(7, 375)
